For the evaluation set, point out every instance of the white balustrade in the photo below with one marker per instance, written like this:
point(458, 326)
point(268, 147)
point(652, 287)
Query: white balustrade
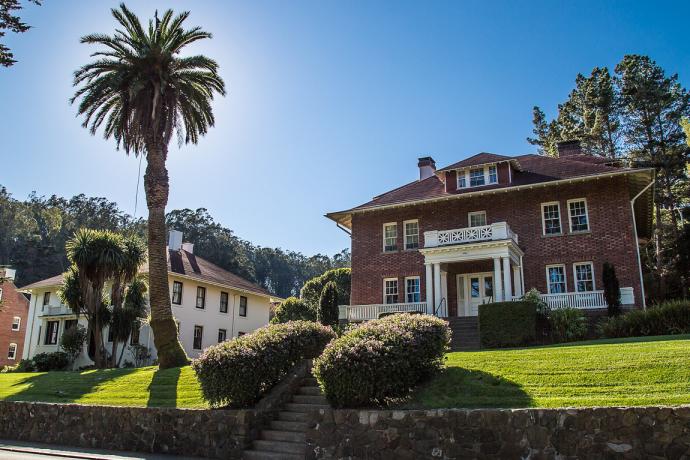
point(368, 312)
point(493, 232)
point(56, 310)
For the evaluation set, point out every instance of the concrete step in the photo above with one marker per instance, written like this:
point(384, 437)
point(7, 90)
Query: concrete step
point(279, 446)
point(293, 416)
point(280, 435)
point(311, 391)
point(265, 455)
point(287, 425)
point(297, 407)
point(308, 399)
point(309, 381)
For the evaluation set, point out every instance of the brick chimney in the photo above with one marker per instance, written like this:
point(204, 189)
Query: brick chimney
point(568, 148)
point(427, 167)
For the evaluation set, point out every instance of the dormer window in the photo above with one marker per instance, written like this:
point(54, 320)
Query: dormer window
point(478, 176)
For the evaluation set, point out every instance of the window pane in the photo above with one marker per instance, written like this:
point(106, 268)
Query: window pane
point(556, 280)
point(223, 302)
point(411, 235)
point(200, 297)
point(177, 293)
point(488, 286)
point(243, 306)
point(474, 287)
point(578, 216)
point(412, 288)
point(390, 237)
point(461, 288)
point(493, 175)
point(476, 177)
point(477, 219)
point(462, 181)
point(584, 277)
point(391, 291)
point(198, 336)
point(222, 335)
point(552, 219)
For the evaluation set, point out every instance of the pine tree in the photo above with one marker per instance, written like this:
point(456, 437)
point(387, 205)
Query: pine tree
point(546, 134)
point(654, 106)
point(327, 313)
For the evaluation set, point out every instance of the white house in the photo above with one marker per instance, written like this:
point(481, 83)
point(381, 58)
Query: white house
point(209, 304)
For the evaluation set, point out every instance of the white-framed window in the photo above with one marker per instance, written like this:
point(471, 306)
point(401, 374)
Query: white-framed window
point(477, 178)
point(579, 217)
point(16, 323)
point(390, 237)
point(583, 273)
point(198, 337)
point(177, 293)
point(412, 289)
point(46, 298)
point(390, 290)
point(493, 174)
point(462, 179)
point(476, 219)
point(52, 332)
point(411, 233)
point(551, 218)
point(555, 279)
point(12, 352)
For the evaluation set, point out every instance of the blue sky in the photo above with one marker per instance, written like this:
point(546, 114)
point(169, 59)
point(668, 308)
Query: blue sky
point(329, 103)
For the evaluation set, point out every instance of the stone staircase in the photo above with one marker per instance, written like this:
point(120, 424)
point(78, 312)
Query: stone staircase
point(285, 437)
point(465, 331)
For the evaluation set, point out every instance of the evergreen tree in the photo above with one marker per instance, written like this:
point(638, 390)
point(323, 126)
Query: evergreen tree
point(654, 106)
point(612, 290)
point(327, 313)
point(546, 133)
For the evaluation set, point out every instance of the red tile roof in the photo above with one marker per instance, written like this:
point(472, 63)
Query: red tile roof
point(533, 169)
point(185, 264)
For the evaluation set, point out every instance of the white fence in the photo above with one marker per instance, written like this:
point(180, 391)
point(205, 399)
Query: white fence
point(585, 300)
point(367, 312)
point(497, 231)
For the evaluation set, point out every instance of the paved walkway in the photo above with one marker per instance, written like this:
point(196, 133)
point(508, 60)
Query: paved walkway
point(18, 450)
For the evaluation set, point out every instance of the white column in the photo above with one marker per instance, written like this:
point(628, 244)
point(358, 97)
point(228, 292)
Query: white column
point(498, 286)
point(517, 282)
point(429, 287)
point(507, 282)
point(437, 286)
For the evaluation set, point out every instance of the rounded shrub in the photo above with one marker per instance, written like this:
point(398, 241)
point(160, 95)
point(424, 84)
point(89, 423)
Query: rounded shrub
point(382, 360)
point(293, 309)
point(238, 372)
point(45, 362)
point(568, 324)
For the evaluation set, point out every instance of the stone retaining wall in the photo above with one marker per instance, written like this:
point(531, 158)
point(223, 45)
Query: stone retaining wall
point(204, 433)
point(596, 433)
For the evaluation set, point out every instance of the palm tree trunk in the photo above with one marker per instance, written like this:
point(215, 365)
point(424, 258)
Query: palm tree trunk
point(170, 351)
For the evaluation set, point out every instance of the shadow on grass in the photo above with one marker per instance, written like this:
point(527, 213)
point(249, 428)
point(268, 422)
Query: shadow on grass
point(63, 387)
point(163, 388)
point(456, 387)
point(651, 338)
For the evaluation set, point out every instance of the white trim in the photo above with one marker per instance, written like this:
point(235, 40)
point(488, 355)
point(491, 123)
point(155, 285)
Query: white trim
point(637, 242)
point(383, 243)
point(405, 222)
point(475, 213)
point(543, 220)
point(570, 218)
point(465, 174)
point(594, 280)
point(419, 286)
point(13, 347)
point(397, 289)
point(565, 278)
point(18, 321)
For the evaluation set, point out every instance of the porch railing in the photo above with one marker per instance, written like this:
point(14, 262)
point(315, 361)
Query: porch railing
point(493, 232)
point(56, 310)
point(368, 312)
point(582, 300)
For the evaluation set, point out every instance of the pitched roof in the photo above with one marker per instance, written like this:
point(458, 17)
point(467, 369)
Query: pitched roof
point(186, 264)
point(476, 160)
point(533, 169)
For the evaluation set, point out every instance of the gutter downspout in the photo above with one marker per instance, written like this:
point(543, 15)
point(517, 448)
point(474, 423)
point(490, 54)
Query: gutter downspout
point(637, 244)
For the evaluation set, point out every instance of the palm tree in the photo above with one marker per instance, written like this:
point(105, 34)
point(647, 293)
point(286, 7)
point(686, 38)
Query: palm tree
point(96, 256)
point(144, 91)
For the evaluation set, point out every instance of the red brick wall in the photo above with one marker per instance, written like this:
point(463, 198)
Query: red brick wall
point(13, 304)
point(610, 237)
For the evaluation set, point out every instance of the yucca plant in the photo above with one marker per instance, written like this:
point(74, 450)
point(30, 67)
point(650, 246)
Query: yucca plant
point(141, 91)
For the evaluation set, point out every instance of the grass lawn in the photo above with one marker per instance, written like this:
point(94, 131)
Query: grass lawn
point(141, 387)
point(637, 371)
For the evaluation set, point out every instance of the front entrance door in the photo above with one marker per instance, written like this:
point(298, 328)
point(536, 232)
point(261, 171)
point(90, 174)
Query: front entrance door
point(473, 290)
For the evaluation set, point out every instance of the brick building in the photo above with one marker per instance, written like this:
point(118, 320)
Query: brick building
point(490, 227)
point(13, 319)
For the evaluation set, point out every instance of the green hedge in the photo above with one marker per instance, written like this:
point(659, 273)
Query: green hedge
point(293, 309)
point(507, 324)
point(672, 317)
point(382, 359)
point(312, 289)
point(238, 372)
